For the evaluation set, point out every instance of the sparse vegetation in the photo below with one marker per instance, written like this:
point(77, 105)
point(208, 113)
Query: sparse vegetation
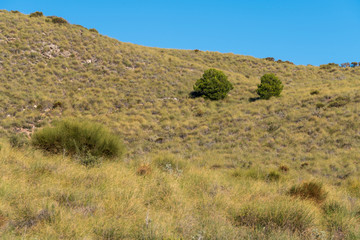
point(339, 102)
point(286, 215)
point(58, 20)
point(36, 14)
point(271, 59)
point(55, 19)
point(18, 140)
point(193, 169)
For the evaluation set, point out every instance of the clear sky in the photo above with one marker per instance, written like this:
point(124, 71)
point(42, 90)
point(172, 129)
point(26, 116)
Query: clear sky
point(304, 32)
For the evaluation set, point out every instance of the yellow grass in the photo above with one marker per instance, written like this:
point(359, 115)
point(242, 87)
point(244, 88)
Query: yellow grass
point(209, 159)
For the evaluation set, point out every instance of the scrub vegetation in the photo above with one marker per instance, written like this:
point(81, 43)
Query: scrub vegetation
point(270, 86)
point(213, 85)
point(73, 136)
point(240, 167)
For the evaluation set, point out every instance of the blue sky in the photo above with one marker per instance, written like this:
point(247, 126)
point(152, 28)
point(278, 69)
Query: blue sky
point(304, 32)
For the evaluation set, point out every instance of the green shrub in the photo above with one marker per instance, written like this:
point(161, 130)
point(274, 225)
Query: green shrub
point(78, 138)
point(276, 214)
point(213, 85)
point(59, 20)
point(270, 86)
point(309, 190)
point(36, 14)
point(93, 30)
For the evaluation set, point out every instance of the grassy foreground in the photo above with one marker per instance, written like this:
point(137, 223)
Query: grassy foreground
point(240, 168)
point(163, 196)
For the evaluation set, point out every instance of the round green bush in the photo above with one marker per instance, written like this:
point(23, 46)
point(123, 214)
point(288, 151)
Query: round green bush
point(75, 137)
point(270, 86)
point(213, 85)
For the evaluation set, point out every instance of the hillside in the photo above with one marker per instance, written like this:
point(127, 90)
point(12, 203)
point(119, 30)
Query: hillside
point(227, 149)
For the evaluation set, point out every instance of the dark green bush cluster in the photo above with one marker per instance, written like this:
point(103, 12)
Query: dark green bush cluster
point(59, 20)
point(36, 14)
point(55, 19)
point(93, 30)
point(271, 59)
point(213, 85)
point(78, 138)
point(270, 86)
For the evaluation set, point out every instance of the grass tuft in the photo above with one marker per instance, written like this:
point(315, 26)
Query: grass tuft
point(309, 190)
point(280, 214)
point(143, 169)
point(75, 137)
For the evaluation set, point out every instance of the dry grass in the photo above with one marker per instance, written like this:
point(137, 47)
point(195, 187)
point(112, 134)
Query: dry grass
point(309, 190)
point(209, 160)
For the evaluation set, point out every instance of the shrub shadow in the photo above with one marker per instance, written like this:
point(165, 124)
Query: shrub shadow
point(253, 99)
point(194, 94)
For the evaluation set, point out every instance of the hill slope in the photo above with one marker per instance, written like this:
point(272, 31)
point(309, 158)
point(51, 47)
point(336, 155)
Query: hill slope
point(50, 71)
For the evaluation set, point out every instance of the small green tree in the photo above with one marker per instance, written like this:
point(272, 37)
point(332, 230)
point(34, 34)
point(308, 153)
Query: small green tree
point(213, 85)
point(270, 86)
